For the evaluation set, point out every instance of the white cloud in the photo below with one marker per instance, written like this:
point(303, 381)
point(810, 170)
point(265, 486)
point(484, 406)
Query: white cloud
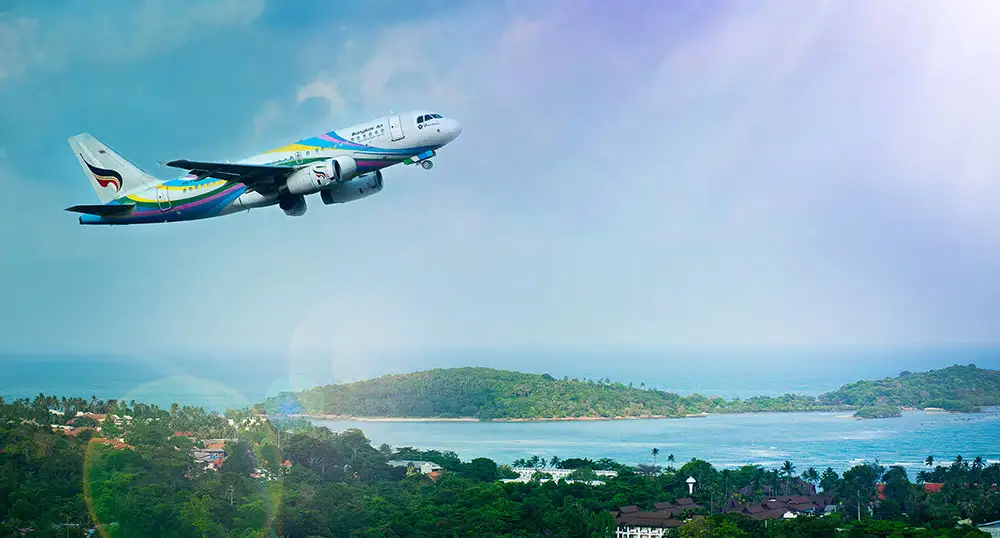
point(146, 27)
point(325, 88)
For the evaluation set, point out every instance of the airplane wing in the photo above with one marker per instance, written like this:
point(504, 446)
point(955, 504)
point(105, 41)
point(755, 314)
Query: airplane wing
point(252, 175)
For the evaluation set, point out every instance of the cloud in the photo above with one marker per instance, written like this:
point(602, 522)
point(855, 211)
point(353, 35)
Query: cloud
point(325, 88)
point(119, 33)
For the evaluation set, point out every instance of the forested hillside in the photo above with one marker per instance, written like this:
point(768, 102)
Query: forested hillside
point(956, 388)
point(487, 394)
point(490, 394)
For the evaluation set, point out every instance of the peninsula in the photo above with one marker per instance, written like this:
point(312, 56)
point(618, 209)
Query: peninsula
point(500, 395)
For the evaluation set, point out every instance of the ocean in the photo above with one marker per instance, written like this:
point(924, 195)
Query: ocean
point(807, 439)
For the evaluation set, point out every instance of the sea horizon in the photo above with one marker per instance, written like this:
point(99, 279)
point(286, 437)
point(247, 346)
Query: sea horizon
point(218, 381)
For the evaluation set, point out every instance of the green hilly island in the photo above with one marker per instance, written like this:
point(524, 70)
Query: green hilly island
point(490, 394)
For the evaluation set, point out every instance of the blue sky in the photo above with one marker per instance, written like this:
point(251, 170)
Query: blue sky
point(657, 176)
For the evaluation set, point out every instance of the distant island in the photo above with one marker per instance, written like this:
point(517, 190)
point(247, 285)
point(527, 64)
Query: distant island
point(878, 411)
point(476, 393)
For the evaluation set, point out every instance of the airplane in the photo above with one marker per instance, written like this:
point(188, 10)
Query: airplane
point(343, 165)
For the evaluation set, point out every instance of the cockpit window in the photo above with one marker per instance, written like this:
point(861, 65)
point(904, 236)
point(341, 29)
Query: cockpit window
point(421, 119)
point(438, 116)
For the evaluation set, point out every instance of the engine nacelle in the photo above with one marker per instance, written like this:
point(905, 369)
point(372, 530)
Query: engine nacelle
point(318, 176)
point(293, 206)
point(342, 168)
point(362, 186)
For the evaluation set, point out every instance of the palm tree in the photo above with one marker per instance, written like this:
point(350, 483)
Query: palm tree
point(977, 467)
point(788, 468)
point(670, 458)
point(554, 462)
point(929, 461)
point(655, 451)
point(811, 475)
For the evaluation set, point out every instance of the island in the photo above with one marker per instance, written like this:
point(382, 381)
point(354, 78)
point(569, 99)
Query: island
point(878, 411)
point(487, 394)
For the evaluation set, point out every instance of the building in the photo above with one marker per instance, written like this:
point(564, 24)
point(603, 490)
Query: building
point(785, 506)
point(929, 487)
point(424, 467)
point(634, 523)
point(524, 474)
point(992, 528)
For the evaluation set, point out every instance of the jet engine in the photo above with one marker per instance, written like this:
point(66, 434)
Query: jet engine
point(315, 177)
point(360, 187)
point(293, 206)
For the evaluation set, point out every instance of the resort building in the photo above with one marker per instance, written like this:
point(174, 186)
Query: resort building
point(524, 474)
point(992, 528)
point(424, 467)
point(634, 523)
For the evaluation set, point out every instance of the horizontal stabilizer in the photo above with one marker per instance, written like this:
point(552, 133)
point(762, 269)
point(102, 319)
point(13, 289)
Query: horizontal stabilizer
point(116, 210)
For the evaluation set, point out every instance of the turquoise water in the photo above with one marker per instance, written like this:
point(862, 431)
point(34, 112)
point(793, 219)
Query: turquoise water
point(817, 439)
point(806, 439)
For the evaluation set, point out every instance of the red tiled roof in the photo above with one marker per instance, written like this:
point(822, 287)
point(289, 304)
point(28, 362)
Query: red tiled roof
point(929, 487)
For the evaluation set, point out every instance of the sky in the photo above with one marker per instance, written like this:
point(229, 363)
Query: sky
point(634, 176)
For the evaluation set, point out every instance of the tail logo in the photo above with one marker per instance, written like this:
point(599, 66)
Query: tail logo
point(105, 177)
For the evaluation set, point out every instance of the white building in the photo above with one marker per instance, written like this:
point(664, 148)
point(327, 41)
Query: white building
point(524, 474)
point(425, 467)
point(992, 528)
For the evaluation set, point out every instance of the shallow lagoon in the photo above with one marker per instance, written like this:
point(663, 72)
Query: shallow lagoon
point(807, 439)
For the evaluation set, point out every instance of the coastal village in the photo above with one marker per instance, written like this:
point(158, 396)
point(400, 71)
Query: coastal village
point(761, 502)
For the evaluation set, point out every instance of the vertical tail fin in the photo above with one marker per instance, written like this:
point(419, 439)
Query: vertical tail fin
point(111, 175)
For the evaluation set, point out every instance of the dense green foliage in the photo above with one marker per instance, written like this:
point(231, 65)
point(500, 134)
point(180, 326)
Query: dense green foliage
point(338, 484)
point(489, 394)
point(878, 411)
point(956, 388)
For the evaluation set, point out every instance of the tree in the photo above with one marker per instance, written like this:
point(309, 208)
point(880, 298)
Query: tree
point(897, 485)
point(583, 475)
point(977, 467)
point(655, 451)
point(716, 526)
point(483, 469)
point(647, 470)
point(929, 461)
point(859, 484)
point(811, 475)
point(110, 428)
point(828, 480)
point(670, 460)
point(787, 468)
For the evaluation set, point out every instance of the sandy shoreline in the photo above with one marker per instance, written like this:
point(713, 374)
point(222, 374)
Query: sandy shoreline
point(472, 419)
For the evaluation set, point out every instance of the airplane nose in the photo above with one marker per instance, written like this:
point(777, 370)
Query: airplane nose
point(454, 129)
